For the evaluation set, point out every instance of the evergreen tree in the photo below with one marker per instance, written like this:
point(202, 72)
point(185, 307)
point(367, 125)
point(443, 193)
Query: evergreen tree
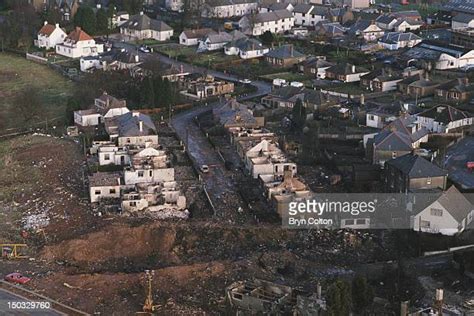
point(158, 83)
point(149, 92)
point(85, 18)
point(339, 299)
point(102, 22)
point(362, 294)
point(267, 38)
point(299, 114)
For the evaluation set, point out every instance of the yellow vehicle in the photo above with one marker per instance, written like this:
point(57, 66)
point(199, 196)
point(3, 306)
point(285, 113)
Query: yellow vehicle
point(228, 26)
point(13, 251)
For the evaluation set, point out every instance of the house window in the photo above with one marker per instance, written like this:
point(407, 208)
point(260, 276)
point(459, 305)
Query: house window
point(106, 157)
point(428, 181)
point(140, 174)
point(349, 222)
point(151, 173)
point(112, 191)
point(425, 224)
point(97, 192)
point(394, 155)
point(133, 203)
point(436, 212)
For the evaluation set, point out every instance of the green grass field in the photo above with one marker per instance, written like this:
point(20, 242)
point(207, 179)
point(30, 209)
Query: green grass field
point(16, 74)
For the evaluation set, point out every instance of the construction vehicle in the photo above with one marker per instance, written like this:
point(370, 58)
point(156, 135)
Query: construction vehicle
point(13, 251)
point(148, 307)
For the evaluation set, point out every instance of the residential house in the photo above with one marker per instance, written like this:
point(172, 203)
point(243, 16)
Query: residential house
point(284, 56)
point(233, 114)
point(412, 15)
point(228, 8)
point(402, 86)
point(407, 25)
point(132, 129)
point(246, 48)
point(275, 6)
point(67, 8)
point(141, 27)
point(174, 5)
point(342, 15)
point(119, 18)
point(104, 107)
point(79, 44)
point(357, 4)
point(149, 166)
point(444, 119)
point(192, 37)
point(104, 186)
point(49, 36)
point(346, 72)
point(286, 97)
point(266, 158)
point(449, 214)
point(386, 22)
point(215, 41)
point(367, 30)
point(308, 14)
point(206, 87)
point(381, 116)
point(382, 80)
point(397, 40)
point(278, 21)
point(457, 90)
point(330, 29)
point(422, 88)
point(462, 21)
point(438, 56)
point(413, 173)
point(315, 67)
point(110, 60)
point(398, 138)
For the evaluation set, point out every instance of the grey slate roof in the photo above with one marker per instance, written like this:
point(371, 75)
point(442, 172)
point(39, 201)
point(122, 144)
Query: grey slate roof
point(385, 19)
point(128, 124)
point(272, 16)
point(444, 114)
point(285, 51)
point(142, 22)
point(463, 18)
point(415, 166)
point(455, 203)
point(396, 37)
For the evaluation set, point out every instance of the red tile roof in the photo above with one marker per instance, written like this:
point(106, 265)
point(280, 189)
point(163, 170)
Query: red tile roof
point(47, 29)
point(78, 35)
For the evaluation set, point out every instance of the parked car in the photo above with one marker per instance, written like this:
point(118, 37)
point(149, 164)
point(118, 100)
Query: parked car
point(204, 168)
point(245, 81)
point(17, 278)
point(144, 49)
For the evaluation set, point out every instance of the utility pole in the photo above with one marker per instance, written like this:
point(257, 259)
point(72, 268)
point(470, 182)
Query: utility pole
point(148, 307)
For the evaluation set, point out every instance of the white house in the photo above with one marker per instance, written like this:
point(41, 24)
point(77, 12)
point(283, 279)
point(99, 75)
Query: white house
point(119, 18)
point(79, 44)
point(132, 129)
point(140, 27)
point(450, 214)
point(228, 8)
point(462, 20)
point(309, 15)
point(104, 185)
point(407, 25)
point(148, 166)
point(386, 22)
point(443, 119)
point(366, 29)
point(49, 36)
point(215, 41)
point(113, 155)
point(174, 5)
point(192, 37)
point(441, 57)
point(246, 48)
point(105, 106)
point(397, 40)
point(275, 22)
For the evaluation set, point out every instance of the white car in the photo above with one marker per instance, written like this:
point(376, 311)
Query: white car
point(204, 168)
point(144, 49)
point(245, 81)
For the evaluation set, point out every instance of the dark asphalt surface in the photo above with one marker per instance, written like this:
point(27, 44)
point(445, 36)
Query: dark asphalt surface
point(6, 297)
point(223, 192)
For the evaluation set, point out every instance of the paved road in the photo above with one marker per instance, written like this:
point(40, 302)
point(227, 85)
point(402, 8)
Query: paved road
point(6, 297)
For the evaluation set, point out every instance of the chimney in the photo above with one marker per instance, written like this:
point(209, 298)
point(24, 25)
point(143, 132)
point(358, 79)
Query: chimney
point(141, 12)
point(99, 6)
point(319, 291)
point(137, 58)
point(140, 124)
point(291, 50)
point(57, 25)
point(78, 28)
point(353, 68)
point(45, 22)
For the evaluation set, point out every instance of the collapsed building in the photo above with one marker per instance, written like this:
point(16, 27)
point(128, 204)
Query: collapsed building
point(144, 182)
point(263, 297)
